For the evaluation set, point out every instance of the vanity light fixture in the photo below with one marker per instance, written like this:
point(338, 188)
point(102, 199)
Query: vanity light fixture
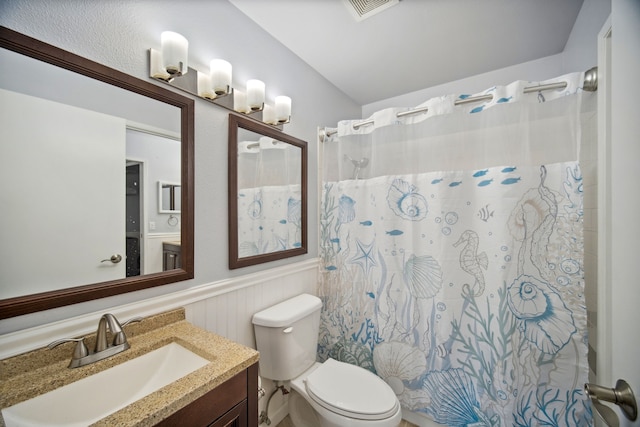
point(255, 94)
point(220, 72)
point(175, 50)
point(283, 109)
point(269, 115)
point(157, 69)
point(205, 88)
point(240, 102)
point(170, 66)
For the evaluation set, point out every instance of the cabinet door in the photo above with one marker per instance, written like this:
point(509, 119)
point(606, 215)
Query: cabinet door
point(237, 417)
point(171, 258)
point(214, 406)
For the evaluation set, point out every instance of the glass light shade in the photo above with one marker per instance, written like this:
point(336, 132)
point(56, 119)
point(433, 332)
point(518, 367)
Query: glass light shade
point(204, 86)
point(269, 115)
point(220, 71)
point(175, 49)
point(283, 109)
point(157, 70)
point(255, 94)
point(240, 102)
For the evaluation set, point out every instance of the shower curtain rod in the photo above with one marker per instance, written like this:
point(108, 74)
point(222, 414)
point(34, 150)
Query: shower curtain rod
point(590, 84)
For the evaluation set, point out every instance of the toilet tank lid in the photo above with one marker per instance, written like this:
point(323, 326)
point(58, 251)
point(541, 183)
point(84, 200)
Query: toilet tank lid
point(287, 312)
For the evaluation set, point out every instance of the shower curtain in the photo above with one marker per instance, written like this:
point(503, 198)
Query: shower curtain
point(452, 256)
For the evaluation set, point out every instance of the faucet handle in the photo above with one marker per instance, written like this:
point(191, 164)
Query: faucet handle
point(120, 337)
point(133, 320)
point(79, 351)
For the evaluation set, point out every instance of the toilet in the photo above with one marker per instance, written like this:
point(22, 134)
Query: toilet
point(328, 394)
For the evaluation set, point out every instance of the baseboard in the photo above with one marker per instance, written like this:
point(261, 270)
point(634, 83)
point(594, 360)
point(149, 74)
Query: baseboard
point(418, 419)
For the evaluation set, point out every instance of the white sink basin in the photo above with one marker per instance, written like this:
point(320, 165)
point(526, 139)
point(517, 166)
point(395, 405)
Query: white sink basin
point(88, 400)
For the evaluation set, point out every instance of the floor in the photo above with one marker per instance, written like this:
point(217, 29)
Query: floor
point(287, 423)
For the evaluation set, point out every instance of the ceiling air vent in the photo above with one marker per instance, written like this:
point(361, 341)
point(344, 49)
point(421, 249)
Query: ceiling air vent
point(363, 9)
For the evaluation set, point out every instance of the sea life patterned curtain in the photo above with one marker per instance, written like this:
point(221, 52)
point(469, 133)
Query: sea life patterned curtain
point(269, 196)
point(269, 219)
point(452, 257)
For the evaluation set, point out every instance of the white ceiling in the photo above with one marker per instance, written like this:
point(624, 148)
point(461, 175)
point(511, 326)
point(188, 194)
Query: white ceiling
point(415, 44)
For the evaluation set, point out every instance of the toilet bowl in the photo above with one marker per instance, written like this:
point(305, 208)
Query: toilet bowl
point(342, 395)
point(328, 394)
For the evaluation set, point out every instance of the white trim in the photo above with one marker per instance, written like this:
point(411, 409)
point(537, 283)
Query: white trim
point(603, 326)
point(320, 186)
point(418, 419)
point(153, 130)
point(19, 342)
point(165, 235)
point(279, 414)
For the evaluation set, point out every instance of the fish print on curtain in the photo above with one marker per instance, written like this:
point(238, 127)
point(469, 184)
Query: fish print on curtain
point(269, 219)
point(463, 290)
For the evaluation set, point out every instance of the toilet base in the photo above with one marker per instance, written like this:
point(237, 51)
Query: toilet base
point(301, 413)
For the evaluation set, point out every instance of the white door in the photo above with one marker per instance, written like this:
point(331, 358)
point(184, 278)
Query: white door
point(619, 201)
point(62, 184)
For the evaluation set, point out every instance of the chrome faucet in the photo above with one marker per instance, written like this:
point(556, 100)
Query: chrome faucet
point(103, 348)
point(119, 338)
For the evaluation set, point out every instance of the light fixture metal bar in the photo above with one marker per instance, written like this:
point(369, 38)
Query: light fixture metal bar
point(188, 83)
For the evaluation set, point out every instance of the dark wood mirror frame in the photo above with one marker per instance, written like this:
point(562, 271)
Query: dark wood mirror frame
point(237, 122)
point(39, 50)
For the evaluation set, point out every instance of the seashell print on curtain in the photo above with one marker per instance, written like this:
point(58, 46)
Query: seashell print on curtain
point(463, 290)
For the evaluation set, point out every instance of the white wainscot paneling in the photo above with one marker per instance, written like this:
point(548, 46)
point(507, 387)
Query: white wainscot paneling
point(229, 314)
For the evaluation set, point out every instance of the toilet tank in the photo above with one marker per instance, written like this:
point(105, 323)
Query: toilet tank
point(287, 337)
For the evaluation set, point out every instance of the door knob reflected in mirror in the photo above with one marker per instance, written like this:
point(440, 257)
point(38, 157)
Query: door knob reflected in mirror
point(114, 259)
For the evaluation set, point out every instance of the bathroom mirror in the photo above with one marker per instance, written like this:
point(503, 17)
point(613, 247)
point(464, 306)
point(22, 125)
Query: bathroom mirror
point(168, 197)
point(94, 116)
point(267, 193)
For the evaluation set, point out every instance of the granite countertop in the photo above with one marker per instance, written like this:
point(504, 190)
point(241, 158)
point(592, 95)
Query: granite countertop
point(28, 375)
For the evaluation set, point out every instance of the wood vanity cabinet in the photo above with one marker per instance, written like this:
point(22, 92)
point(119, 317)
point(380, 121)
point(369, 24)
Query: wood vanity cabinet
point(171, 256)
point(233, 403)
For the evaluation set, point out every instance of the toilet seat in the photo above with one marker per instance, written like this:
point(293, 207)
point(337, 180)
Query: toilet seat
point(351, 391)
